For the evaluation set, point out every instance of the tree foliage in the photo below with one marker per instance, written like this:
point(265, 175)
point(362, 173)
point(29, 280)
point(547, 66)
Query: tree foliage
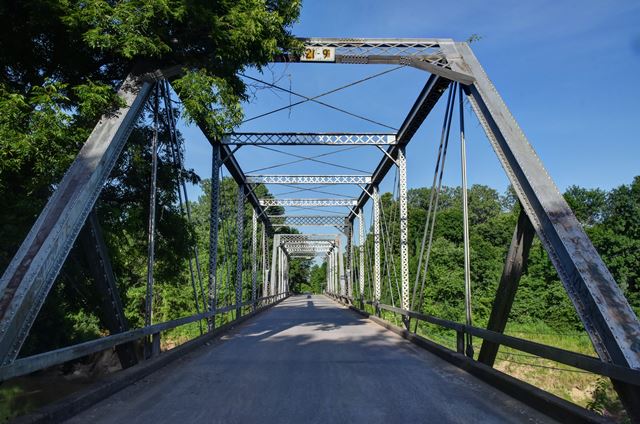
point(62, 62)
point(610, 218)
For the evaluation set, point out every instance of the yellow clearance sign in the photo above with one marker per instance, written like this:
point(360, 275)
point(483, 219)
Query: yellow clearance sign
point(319, 54)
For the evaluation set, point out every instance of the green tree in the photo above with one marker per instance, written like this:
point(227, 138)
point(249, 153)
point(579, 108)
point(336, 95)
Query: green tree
point(61, 63)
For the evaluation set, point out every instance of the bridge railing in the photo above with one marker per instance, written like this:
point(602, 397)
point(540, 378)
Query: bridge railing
point(562, 356)
point(29, 364)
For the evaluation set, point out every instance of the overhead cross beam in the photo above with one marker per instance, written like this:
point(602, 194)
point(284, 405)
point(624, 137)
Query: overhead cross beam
point(266, 202)
point(307, 237)
point(307, 220)
point(426, 54)
point(308, 179)
point(308, 139)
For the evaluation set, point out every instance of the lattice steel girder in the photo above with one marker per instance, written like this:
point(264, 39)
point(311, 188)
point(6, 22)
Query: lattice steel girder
point(309, 243)
point(32, 271)
point(266, 202)
point(307, 237)
point(404, 229)
point(308, 179)
point(309, 139)
point(427, 54)
point(318, 249)
point(377, 276)
point(304, 248)
point(307, 220)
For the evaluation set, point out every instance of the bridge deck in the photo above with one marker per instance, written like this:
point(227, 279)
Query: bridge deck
point(310, 360)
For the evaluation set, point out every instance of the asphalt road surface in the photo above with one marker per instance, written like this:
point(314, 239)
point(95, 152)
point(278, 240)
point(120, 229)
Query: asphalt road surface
point(310, 360)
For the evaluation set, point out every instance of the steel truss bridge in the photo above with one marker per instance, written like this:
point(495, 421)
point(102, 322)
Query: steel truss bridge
point(354, 277)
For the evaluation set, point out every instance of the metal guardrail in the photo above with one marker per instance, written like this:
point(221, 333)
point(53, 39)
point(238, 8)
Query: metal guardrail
point(562, 356)
point(44, 360)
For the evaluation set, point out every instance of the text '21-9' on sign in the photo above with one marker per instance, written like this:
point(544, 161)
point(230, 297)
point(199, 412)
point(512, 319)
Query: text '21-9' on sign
point(319, 54)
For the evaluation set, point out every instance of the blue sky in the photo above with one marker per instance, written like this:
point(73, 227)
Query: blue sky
point(567, 70)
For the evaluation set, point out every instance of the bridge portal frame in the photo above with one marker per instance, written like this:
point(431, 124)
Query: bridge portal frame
point(606, 314)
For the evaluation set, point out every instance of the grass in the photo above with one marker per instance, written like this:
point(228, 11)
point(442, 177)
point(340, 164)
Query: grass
point(580, 387)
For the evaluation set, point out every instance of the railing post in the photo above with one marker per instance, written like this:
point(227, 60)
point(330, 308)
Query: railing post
point(376, 249)
point(460, 341)
point(155, 345)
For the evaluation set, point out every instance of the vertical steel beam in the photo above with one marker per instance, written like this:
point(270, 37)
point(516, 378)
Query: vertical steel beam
point(240, 243)
point(348, 259)
point(341, 271)
point(511, 273)
point(286, 275)
point(281, 282)
point(336, 272)
point(361, 256)
point(265, 267)
point(279, 277)
point(274, 262)
point(112, 314)
point(376, 248)
point(326, 276)
point(401, 162)
point(331, 272)
point(605, 312)
point(35, 266)
point(465, 226)
point(151, 230)
point(254, 257)
point(214, 220)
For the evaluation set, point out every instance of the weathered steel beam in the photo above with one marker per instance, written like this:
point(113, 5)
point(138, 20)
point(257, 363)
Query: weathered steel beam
point(32, 271)
point(308, 139)
point(307, 220)
point(307, 237)
point(513, 268)
point(605, 312)
point(308, 179)
point(267, 202)
point(422, 53)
